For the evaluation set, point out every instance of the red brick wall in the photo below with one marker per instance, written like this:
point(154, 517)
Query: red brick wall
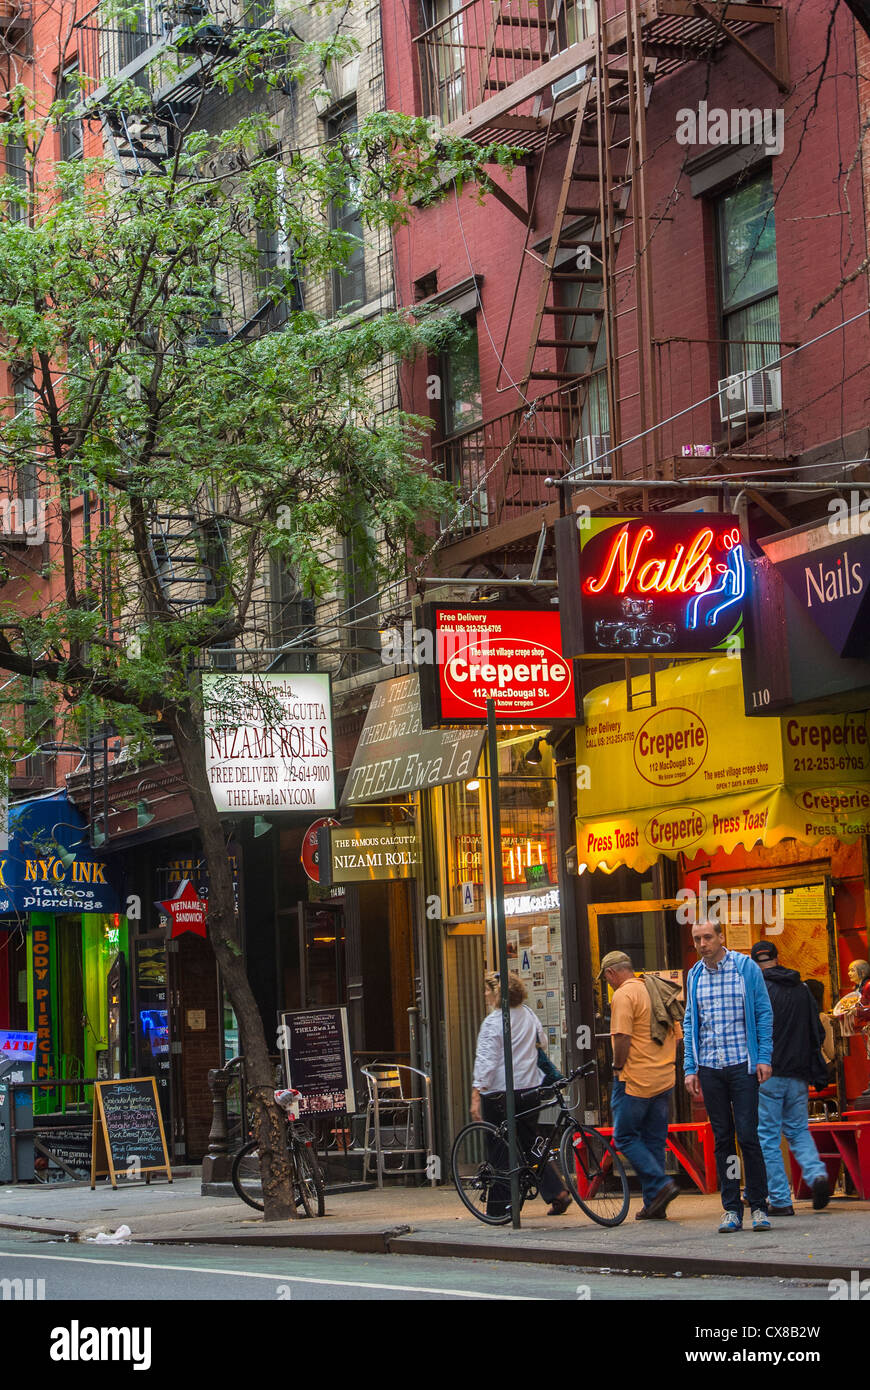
point(200, 1051)
point(820, 225)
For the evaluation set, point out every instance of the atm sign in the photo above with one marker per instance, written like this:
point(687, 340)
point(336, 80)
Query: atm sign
point(19, 1047)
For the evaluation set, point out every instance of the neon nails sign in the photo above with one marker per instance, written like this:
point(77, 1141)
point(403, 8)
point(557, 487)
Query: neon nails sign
point(732, 580)
point(655, 583)
point(688, 570)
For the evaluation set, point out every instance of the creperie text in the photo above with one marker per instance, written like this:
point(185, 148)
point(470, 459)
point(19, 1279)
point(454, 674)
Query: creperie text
point(505, 673)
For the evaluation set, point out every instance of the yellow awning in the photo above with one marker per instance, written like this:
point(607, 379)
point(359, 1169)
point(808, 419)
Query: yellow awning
point(693, 773)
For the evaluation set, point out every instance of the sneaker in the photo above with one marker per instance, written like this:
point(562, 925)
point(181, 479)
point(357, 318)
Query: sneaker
point(821, 1194)
point(780, 1211)
point(760, 1221)
point(730, 1222)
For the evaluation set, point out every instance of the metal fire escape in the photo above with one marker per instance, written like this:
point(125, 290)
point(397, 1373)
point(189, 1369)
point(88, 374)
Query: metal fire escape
point(571, 80)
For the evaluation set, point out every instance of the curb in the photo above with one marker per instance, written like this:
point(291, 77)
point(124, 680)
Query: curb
point(403, 1240)
point(356, 1242)
point(619, 1263)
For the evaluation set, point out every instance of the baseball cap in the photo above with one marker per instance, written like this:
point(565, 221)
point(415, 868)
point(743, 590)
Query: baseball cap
point(614, 959)
point(764, 950)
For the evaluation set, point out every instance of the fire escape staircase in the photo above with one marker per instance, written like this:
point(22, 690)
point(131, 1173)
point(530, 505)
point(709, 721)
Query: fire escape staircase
point(583, 295)
point(579, 299)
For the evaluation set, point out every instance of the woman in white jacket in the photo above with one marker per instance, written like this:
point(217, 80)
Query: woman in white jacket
point(488, 1085)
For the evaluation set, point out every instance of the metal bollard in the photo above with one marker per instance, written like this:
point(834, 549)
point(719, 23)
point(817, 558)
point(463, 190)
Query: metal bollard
point(216, 1164)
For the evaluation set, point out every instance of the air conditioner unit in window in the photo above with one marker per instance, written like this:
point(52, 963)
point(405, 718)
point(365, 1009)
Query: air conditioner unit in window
point(568, 82)
point(750, 393)
point(588, 458)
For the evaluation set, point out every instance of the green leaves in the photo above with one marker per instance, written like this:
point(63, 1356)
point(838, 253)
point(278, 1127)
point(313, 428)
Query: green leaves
point(179, 447)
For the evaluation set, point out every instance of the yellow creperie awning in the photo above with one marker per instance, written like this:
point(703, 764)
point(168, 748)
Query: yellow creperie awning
point(694, 773)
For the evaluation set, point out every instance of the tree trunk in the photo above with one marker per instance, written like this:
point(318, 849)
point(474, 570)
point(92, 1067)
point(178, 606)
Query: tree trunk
point(269, 1121)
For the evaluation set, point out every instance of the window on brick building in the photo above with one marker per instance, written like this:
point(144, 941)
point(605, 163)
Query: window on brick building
point(462, 403)
point(461, 410)
point(748, 286)
point(24, 401)
point(360, 619)
point(447, 54)
point(15, 171)
point(72, 138)
point(348, 289)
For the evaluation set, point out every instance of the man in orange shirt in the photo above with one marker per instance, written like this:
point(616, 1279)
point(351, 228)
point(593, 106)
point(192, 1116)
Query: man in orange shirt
point(643, 1082)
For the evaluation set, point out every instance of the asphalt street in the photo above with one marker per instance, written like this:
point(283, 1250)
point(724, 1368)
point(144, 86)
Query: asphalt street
point(78, 1272)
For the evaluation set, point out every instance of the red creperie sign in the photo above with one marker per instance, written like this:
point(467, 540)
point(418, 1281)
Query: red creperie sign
point(511, 656)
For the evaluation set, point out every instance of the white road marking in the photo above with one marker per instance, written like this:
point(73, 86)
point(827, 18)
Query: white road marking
point(276, 1278)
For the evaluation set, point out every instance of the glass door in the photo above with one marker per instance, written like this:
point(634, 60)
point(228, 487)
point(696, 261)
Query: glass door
point(648, 931)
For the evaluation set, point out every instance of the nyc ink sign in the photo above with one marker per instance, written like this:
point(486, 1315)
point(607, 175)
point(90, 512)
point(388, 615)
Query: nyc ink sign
point(669, 584)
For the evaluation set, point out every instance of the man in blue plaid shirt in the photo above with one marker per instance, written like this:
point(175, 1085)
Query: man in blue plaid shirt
point(728, 1041)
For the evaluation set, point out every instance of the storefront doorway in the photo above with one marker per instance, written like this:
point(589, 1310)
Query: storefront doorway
point(648, 931)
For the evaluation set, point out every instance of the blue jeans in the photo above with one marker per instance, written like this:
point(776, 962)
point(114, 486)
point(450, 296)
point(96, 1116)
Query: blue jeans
point(640, 1131)
point(782, 1110)
point(731, 1101)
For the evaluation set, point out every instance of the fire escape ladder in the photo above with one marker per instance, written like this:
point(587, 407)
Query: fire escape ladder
point(623, 85)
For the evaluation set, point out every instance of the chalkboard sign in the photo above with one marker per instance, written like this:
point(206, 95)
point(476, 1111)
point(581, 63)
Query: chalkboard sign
point(317, 1059)
point(127, 1134)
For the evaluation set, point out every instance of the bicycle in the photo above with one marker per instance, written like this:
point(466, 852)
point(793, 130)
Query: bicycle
point(308, 1188)
point(592, 1168)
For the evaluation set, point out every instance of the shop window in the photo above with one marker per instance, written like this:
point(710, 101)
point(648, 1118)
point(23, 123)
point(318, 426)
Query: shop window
point(748, 288)
point(529, 868)
point(348, 288)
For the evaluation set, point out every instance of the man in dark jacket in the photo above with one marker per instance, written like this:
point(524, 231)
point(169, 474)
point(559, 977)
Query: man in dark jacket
point(782, 1099)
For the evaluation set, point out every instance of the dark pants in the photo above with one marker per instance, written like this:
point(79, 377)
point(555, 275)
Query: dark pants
point(731, 1101)
point(640, 1131)
point(493, 1108)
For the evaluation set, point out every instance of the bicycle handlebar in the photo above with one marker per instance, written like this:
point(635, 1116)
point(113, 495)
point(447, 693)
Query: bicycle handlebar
point(567, 1080)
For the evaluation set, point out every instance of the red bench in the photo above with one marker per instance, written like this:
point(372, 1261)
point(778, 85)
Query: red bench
point(703, 1175)
point(839, 1141)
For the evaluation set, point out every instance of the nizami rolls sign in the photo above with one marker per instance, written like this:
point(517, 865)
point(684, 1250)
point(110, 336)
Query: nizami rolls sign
point(268, 742)
point(671, 583)
point(511, 656)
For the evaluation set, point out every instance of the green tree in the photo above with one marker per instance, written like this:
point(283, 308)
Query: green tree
point(111, 298)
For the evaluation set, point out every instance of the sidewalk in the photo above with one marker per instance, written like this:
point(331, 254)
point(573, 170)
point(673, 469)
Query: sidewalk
point(426, 1221)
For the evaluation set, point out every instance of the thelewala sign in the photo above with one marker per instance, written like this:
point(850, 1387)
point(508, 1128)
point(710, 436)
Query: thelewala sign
point(268, 742)
point(670, 583)
point(511, 656)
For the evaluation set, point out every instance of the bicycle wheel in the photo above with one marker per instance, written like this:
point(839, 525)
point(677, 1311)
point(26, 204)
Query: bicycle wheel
point(245, 1175)
point(308, 1186)
point(595, 1175)
point(308, 1190)
point(479, 1166)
